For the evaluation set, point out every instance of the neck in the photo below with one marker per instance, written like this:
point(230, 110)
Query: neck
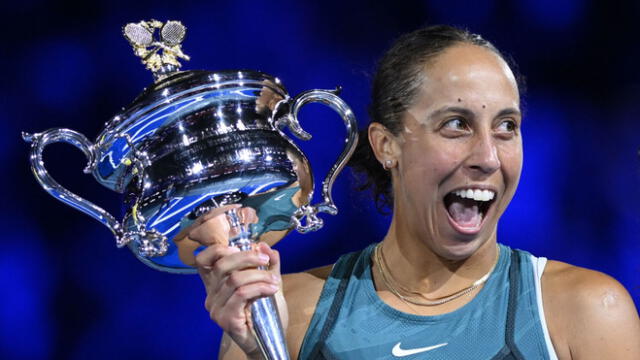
point(413, 264)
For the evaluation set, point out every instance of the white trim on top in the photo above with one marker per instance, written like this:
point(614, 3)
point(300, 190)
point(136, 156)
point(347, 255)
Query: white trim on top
point(538, 268)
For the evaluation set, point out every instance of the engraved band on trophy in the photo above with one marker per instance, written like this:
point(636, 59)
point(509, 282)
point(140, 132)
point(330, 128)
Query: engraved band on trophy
point(195, 140)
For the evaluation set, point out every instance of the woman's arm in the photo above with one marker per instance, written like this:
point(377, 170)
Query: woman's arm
point(233, 279)
point(589, 314)
point(302, 291)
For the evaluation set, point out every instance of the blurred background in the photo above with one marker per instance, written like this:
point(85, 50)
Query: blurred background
point(66, 291)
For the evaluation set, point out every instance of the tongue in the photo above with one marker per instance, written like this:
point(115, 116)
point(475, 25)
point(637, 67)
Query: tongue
point(465, 215)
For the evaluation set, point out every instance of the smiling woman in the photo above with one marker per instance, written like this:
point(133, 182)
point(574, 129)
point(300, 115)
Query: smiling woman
point(444, 150)
point(460, 133)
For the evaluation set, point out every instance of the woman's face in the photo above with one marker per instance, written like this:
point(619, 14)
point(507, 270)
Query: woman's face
point(459, 155)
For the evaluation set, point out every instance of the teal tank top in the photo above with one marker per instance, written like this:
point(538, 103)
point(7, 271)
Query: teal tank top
point(503, 321)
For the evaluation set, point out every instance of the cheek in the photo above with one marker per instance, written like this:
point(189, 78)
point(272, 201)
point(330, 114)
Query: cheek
point(511, 160)
point(426, 165)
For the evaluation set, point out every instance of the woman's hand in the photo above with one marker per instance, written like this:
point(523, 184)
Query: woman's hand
point(232, 278)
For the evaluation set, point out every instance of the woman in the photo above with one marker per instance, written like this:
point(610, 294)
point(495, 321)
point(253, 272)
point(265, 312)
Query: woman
point(444, 149)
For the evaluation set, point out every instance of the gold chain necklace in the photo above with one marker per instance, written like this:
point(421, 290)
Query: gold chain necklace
point(382, 268)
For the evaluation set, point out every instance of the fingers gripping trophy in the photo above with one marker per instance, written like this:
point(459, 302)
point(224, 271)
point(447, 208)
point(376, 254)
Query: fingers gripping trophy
point(194, 141)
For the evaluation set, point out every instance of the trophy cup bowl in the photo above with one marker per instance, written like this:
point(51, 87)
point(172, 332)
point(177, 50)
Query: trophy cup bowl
point(195, 140)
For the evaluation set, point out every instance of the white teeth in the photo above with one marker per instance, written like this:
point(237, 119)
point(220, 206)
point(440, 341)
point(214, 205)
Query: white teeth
point(476, 194)
point(488, 195)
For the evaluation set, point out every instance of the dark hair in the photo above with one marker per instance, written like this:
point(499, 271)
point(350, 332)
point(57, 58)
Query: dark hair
point(395, 87)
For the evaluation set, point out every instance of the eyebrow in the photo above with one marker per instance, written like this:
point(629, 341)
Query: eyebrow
point(469, 114)
point(509, 111)
point(453, 109)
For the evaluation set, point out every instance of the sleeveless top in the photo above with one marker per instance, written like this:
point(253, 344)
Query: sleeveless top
point(505, 320)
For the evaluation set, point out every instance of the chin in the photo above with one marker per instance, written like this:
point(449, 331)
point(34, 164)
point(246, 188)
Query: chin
point(458, 246)
point(458, 251)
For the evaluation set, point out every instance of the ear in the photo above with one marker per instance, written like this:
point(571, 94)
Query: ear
point(385, 145)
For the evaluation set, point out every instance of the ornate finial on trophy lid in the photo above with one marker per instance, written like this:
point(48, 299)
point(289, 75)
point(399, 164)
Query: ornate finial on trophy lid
point(160, 52)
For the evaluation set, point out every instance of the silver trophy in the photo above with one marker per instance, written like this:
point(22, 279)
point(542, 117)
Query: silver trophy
point(195, 140)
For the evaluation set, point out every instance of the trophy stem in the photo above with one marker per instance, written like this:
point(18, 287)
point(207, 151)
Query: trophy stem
point(268, 329)
point(267, 326)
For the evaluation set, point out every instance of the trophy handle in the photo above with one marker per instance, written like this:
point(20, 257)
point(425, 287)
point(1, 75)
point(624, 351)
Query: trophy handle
point(331, 99)
point(38, 142)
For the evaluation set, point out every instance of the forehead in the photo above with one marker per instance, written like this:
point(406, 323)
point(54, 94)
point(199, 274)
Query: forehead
point(469, 73)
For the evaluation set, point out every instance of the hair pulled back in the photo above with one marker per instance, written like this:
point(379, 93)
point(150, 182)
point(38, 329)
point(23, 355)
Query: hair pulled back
point(395, 87)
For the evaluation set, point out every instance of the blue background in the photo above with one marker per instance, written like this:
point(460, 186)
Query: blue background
point(66, 291)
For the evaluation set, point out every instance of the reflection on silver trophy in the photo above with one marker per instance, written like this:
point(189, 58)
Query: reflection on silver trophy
point(195, 140)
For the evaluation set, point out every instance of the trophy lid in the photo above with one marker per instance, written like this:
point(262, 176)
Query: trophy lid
point(160, 53)
point(173, 95)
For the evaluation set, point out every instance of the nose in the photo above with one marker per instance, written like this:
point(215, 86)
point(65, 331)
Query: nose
point(484, 157)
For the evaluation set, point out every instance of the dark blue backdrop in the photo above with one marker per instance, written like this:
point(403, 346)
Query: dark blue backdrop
point(66, 291)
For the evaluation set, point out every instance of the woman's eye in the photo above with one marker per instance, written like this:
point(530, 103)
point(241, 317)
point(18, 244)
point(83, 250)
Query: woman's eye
point(507, 126)
point(455, 124)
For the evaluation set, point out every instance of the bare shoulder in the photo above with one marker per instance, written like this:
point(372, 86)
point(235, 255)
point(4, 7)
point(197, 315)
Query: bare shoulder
point(590, 315)
point(302, 291)
point(587, 290)
point(299, 286)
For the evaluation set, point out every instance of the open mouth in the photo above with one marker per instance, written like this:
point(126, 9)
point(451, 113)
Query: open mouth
point(467, 208)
